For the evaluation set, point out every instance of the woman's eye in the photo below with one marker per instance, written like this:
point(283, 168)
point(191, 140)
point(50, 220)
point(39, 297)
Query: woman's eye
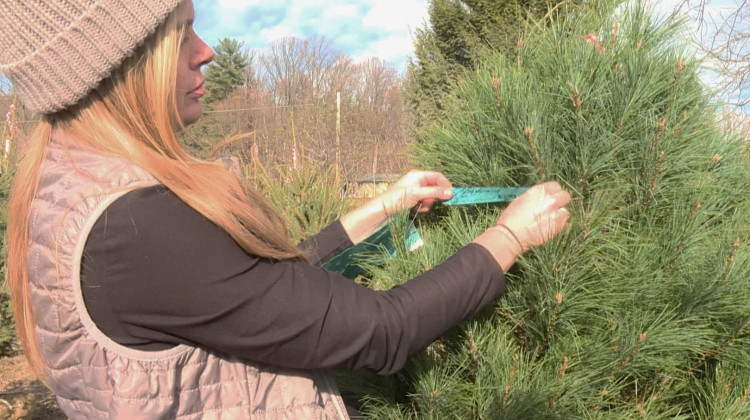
point(187, 32)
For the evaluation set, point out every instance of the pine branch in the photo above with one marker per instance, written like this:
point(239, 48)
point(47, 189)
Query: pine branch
point(556, 395)
point(730, 260)
point(654, 178)
point(520, 336)
point(624, 362)
point(473, 354)
point(654, 146)
point(518, 55)
point(713, 353)
point(530, 132)
point(585, 232)
point(496, 88)
point(511, 379)
point(725, 390)
point(683, 242)
point(473, 124)
point(742, 401)
point(543, 347)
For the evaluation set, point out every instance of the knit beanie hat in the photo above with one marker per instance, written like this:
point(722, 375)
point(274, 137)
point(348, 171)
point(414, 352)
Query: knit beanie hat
point(56, 51)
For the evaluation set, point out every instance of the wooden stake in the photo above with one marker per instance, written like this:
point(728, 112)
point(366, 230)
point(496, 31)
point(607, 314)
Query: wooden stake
point(294, 135)
point(338, 133)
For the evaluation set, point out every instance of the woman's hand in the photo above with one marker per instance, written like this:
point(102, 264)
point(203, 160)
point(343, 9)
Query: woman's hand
point(417, 190)
point(531, 219)
point(537, 215)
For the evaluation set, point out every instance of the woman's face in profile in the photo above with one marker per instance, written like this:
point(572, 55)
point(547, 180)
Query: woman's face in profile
point(194, 54)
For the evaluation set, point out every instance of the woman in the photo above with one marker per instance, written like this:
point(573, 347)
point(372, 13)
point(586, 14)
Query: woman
point(149, 284)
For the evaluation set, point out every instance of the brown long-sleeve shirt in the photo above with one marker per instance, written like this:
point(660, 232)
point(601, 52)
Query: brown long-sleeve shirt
point(156, 273)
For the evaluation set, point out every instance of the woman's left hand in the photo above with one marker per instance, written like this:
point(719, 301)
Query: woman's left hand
point(417, 190)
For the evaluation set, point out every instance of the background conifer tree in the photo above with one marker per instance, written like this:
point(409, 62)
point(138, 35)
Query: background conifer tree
point(641, 308)
point(225, 73)
point(458, 35)
point(8, 343)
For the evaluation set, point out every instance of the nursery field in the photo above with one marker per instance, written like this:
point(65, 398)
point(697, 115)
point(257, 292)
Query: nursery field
point(639, 309)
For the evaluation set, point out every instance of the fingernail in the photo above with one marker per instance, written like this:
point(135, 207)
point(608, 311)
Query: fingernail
point(448, 192)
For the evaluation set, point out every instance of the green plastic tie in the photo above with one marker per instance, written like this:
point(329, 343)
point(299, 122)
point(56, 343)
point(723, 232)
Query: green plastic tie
point(348, 263)
point(484, 195)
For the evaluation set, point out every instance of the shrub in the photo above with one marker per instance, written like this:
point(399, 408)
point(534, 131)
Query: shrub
point(640, 308)
point(310, 196)
point(8, 343)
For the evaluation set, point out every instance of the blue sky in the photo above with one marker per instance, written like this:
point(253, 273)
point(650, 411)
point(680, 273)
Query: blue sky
point(358, 28)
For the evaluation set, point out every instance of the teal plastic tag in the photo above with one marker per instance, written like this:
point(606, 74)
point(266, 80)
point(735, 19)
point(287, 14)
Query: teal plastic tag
point(483, 195)
point(349, 262)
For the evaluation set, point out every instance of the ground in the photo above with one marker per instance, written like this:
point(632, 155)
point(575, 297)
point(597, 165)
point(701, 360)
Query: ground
point(22, 396)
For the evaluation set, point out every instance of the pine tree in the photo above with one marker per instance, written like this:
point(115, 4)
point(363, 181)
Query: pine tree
point(641, 308)
point(459, 34)
point(8, 134)
point(225, 73)
point(8, 343)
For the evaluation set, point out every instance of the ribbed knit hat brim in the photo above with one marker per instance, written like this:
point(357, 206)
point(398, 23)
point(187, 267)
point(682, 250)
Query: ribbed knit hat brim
point(56, 52)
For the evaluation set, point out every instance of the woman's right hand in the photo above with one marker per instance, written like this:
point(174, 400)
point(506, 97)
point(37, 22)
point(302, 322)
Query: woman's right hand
point(531, 219)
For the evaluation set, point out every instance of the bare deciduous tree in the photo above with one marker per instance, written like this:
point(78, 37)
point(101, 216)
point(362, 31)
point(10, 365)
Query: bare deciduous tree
point(289, 97)
point(723, 35)
point(296, 69)
point(376, 77)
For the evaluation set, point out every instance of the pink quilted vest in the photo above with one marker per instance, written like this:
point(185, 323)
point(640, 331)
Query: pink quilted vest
point(96, 378)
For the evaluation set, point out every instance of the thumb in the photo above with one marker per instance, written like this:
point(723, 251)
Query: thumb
point(424, 197)
point(432, 192)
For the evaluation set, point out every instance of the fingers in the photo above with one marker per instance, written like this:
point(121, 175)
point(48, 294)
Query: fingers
point(437, 192)
point(550, 195)
point(561, 198)
point(425, 197)
point(539, 214)
point(551, 187)
point(559, 219)
point(437, 179)
point(431, 178)
point(546, 188)
point(425, 179)
point(421, 189)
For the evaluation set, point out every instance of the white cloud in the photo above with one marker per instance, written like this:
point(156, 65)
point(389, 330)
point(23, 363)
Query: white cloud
point(277, 32)
point(340, 11)
point(359, 28)
point(393, 48)
point(238, 4)
point(396, 15)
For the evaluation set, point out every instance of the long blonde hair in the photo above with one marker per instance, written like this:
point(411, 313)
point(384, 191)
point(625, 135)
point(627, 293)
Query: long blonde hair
point(133, 115)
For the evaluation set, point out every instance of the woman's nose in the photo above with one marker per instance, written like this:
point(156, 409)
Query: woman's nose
point(204, 55)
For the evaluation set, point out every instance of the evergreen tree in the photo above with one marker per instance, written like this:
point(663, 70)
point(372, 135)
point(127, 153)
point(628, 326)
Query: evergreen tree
point(225, 73)
point(459, 33)
point(641, 308)
point(8, 343)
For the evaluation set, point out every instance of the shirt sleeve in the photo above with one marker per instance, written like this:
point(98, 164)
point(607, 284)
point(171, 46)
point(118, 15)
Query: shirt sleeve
point(328, 243)
point(156, 273)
